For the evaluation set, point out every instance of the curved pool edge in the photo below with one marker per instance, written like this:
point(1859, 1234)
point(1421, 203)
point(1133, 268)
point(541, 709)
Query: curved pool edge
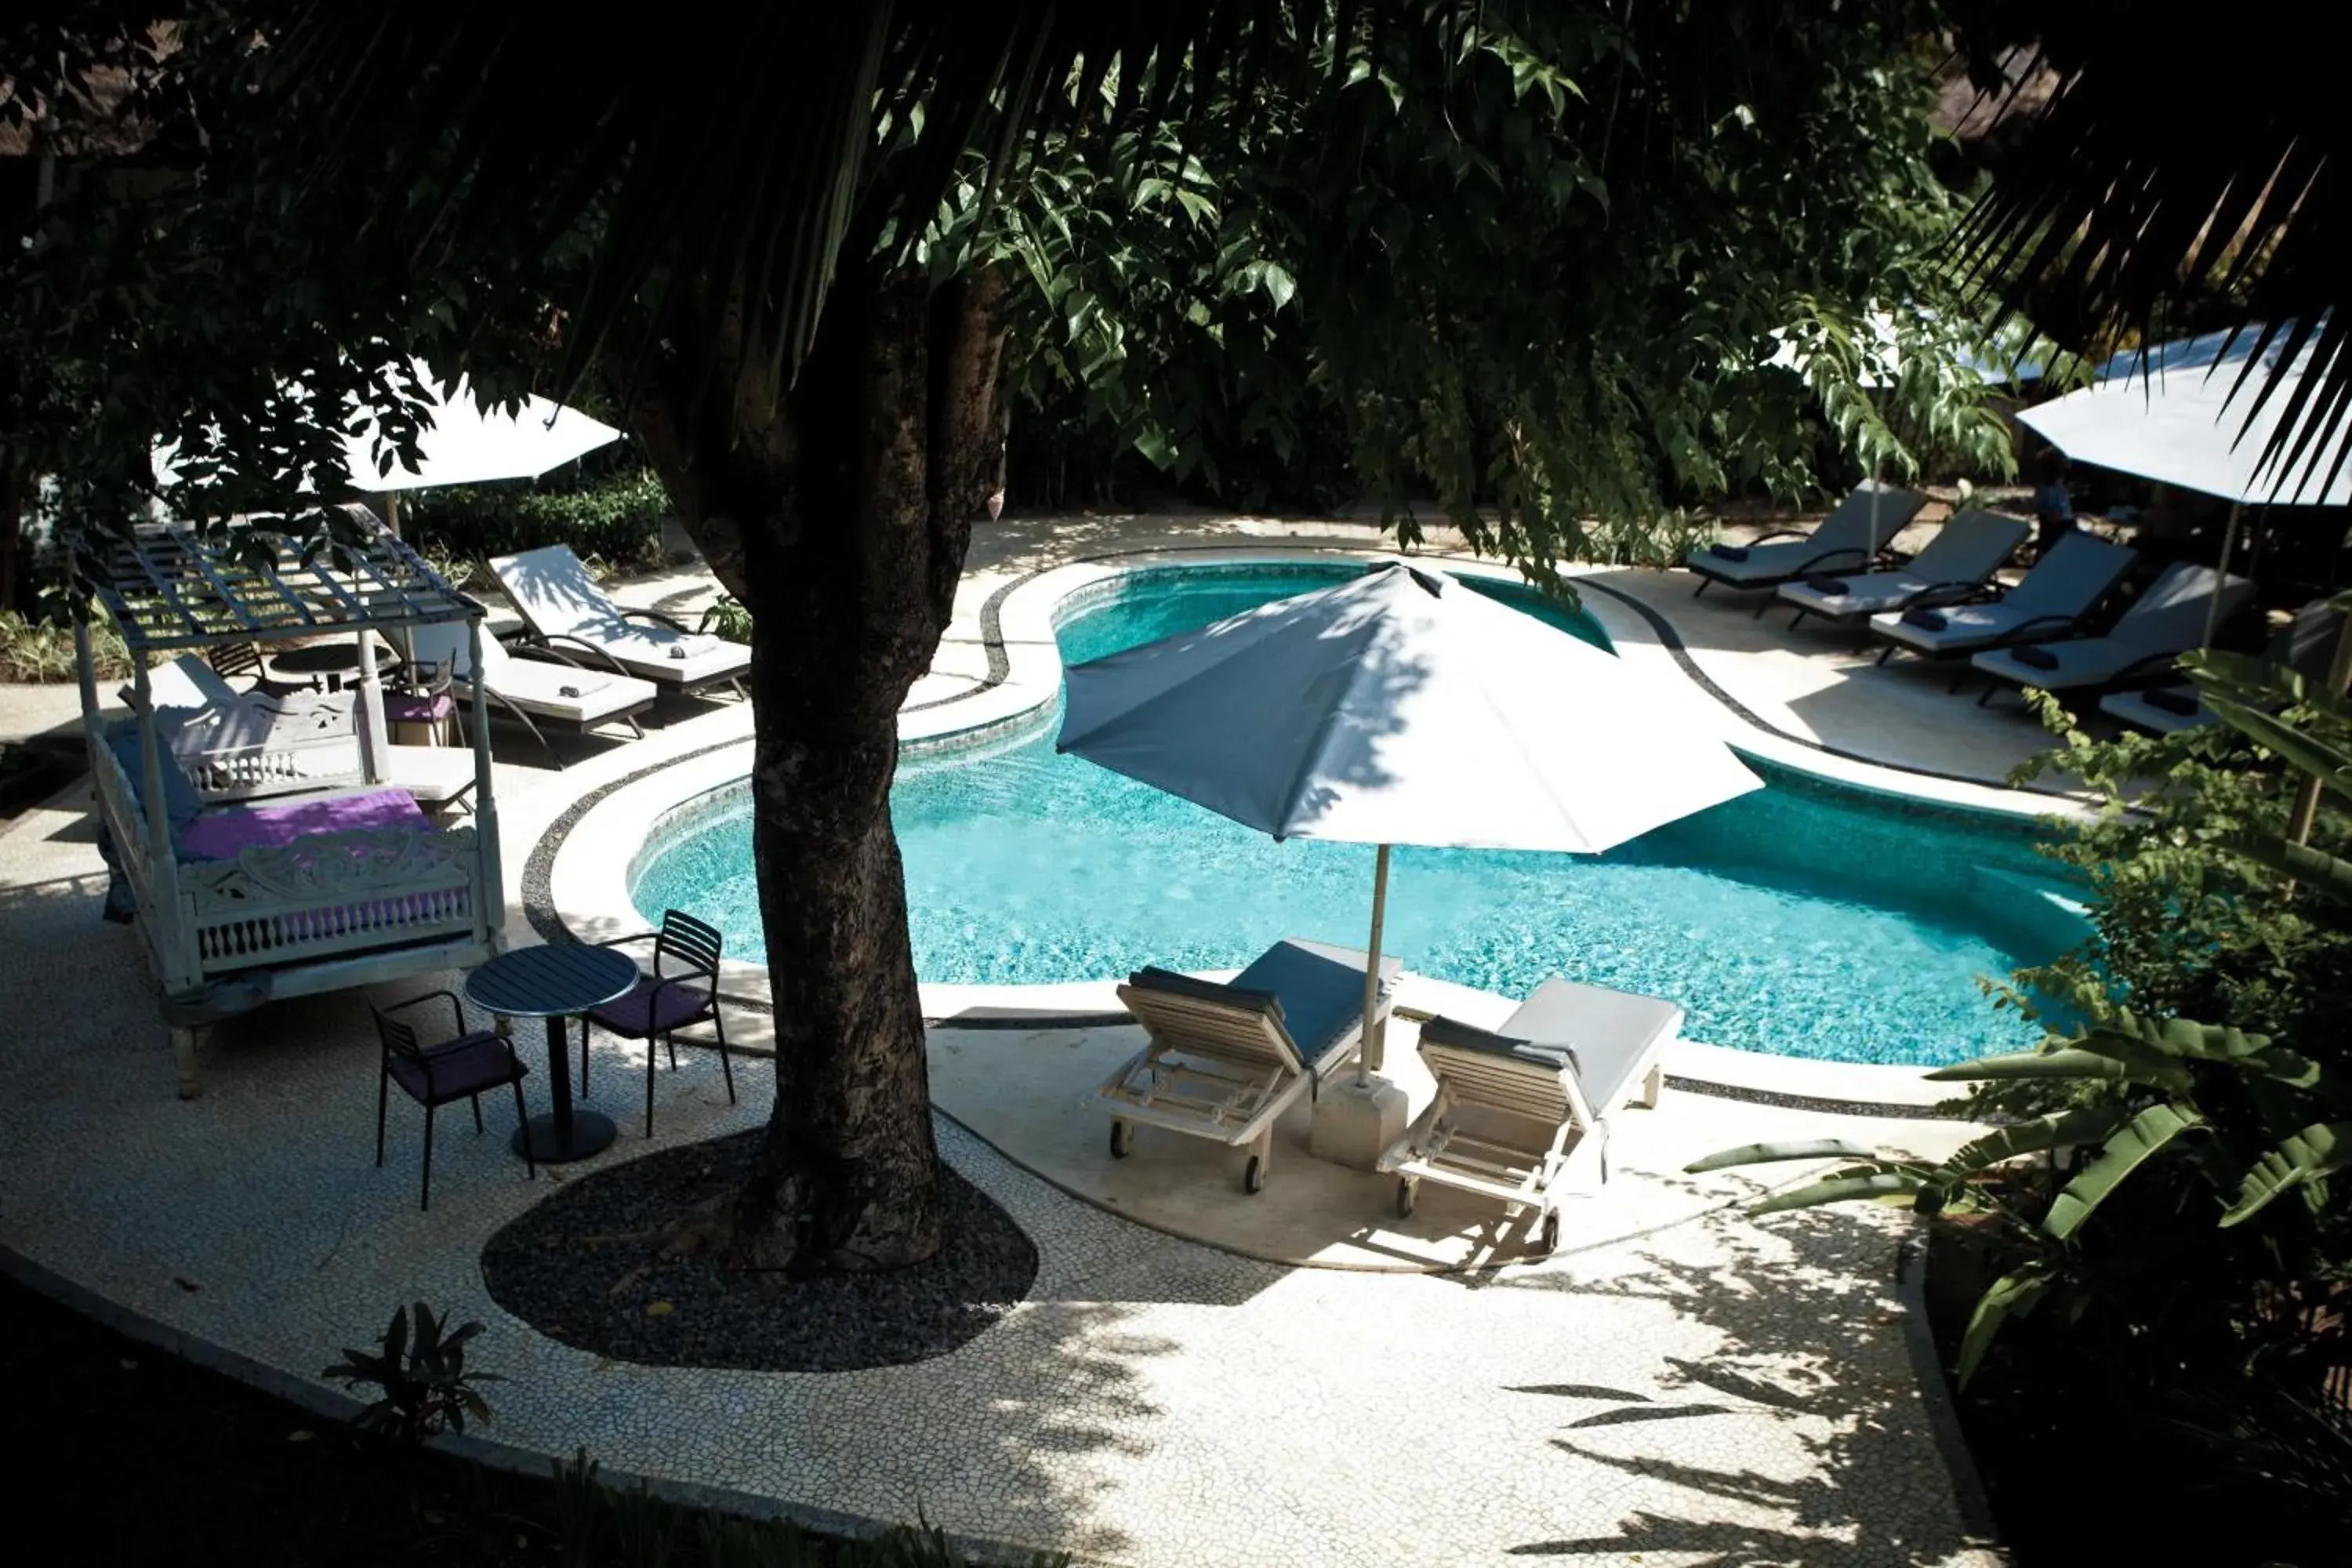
point(574, 893)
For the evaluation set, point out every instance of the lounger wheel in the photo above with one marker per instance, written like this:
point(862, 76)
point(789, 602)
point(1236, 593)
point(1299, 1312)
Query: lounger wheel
point(1405, 1196)
point(1253, 1174)
point(1122, 1138)
point(1548, 1234)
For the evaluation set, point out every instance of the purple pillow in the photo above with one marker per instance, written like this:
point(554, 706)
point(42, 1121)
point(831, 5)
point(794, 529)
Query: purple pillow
point(1729, 552)
point(2039, 657)
point(1928, 620)
point(2178, 699)
point(1822, 582)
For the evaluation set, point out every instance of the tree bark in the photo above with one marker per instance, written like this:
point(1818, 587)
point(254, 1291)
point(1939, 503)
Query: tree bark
point(839, 513)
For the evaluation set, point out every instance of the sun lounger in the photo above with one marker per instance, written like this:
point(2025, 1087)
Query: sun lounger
point(1848, 539)
point(554, 693)
point(2064, 587)
point(1227, 1059)
point(562, 604)
point(438, 778)
point(2162, 625)
point(1522, 1112)
point(1956, 566)
point(185, 683)
point(2306, 645)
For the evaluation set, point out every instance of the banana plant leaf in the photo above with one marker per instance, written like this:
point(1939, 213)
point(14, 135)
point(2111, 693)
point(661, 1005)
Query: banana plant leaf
point(2012, 1295)
point(2312, 868)
point(2063, 1129)
point(1761, 1153)
point(2312, 1155)
point(2315, 757)
point(2150, 1068)
point(2131, 1146)
point(1846, 1187)
point(2242, 679)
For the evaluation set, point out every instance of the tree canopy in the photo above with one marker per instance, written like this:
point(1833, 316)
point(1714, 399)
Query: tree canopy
point(1542, 258)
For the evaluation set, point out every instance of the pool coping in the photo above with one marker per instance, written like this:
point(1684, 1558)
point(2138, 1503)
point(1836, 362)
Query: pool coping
point(572, 894)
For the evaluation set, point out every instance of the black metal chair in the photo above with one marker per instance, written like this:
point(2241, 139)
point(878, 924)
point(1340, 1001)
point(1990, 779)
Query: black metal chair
point(683, 989)
point(459, 1068)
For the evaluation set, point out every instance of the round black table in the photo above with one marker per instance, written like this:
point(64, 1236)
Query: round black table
point(329, 663)
point(555, 982)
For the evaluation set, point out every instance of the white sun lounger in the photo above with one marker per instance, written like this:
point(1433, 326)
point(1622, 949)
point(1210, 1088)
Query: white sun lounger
point(2063, 587)
point(1522, 1112)
point(1226, 1060)
point(1847, 540)
point(185, 683)
point(2305, 646)
point(541, 693)
point(2162, 625)
point(1956, 565)
point(562, 603)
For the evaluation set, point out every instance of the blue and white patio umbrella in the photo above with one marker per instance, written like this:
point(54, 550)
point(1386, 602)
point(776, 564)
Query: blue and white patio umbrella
point(2184, 416)
point(1401, 708)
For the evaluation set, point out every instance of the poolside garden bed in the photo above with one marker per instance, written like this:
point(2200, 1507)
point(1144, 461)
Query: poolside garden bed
point(2081, 1467)
point(138, 1457)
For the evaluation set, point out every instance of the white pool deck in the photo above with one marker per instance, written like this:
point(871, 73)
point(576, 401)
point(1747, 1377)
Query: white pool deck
point(1198, 1377)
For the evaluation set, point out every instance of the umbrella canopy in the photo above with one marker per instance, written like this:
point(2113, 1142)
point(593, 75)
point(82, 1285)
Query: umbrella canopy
point(1400, 707)
point(462, 446)
point(2184, 422)
point(465, 446)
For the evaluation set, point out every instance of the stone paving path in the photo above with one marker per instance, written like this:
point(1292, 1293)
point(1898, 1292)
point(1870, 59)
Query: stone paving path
point(1710, 1390)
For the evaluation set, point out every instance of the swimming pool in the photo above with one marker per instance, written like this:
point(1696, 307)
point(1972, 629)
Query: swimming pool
point(1805, 919)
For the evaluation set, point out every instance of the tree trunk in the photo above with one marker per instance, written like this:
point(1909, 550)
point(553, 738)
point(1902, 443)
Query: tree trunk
point(839, 513)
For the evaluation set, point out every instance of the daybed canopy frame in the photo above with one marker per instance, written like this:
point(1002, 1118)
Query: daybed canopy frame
point(328, 910)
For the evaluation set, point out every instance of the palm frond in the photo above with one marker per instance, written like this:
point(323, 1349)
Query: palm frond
point(725, 157)
point(2146, 197)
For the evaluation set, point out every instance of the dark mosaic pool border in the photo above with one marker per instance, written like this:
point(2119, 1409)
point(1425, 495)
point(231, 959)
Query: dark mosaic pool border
point(537, 875)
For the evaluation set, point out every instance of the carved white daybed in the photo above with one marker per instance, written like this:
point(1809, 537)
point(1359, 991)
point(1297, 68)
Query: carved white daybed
point(264, 844)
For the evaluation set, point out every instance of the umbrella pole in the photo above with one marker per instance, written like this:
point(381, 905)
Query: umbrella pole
point(2229, 548)
point(2307, 802)
point(1368, 1058)
point(391, 512)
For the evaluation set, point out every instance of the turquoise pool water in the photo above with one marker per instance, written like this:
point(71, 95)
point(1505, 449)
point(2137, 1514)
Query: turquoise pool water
point(1805, 919)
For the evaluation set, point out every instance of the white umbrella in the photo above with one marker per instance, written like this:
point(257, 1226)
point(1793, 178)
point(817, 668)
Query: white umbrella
point(464, 445)
point(2180, 418)
point(2184, 422)
point(1400, 708)
point(461, 445)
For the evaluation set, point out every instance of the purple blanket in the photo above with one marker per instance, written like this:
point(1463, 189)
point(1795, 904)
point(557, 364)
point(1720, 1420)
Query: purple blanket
point(218, 835)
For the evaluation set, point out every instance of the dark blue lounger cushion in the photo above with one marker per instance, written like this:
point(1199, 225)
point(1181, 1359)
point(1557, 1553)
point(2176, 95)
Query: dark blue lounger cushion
point(1317, 1000)
point(1729, 552)
point(2039, 657)
point(181, 802)
point(1448, 1032)
point(1822, 582)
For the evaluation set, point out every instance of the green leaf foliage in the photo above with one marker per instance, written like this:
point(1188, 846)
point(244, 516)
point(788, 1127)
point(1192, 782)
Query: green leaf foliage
point(1760, 1153)
point(1846, 1187)
point(2136, 1142)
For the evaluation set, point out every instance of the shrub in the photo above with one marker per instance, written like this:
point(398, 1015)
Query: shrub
point(39, 651)
point(617, 517)
point(420, 1373)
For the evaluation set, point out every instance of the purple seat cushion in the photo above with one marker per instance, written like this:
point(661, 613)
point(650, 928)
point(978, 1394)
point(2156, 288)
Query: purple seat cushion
point(1822, 582)
point(1729, 552)
point(462, 1066)
point(416, 707)
point(219, 835)
point(653, 1008)
point(2180, 700)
